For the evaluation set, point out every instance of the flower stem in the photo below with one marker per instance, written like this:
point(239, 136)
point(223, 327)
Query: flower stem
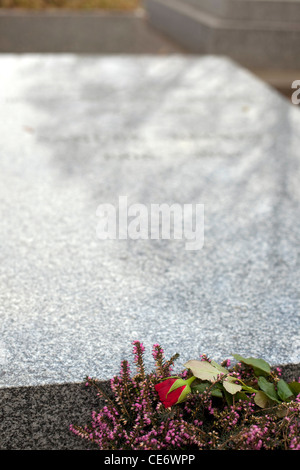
point(190, 380)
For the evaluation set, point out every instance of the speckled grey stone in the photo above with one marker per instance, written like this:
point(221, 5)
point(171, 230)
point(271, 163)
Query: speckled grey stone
point(38, 418)
point(80, 131)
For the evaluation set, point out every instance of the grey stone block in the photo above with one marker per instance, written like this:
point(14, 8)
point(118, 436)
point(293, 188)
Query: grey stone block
point(261, 10)
point(77, 132)
point(255, 42)
point(91, 32)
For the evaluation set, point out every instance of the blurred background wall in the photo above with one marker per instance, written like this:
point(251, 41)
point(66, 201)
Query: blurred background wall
point(261, 35)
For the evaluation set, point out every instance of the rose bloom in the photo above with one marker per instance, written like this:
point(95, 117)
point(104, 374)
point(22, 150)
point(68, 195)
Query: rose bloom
point(173, 390)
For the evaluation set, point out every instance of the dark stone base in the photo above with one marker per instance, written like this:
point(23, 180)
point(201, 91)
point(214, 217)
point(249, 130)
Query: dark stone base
point(38, 418)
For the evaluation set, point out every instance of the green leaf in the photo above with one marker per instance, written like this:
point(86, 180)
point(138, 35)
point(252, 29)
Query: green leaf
point(281, 412)
point(215, 391)
point(259, 365)
point(295, 387)
point(203, 370)
point(268, 388)
point(200, 387)
point(241, 396)
point(230, 386)
point(229, 398)
point(247, 388)
point(284, 391)
point(219, 367)
point(261, 399)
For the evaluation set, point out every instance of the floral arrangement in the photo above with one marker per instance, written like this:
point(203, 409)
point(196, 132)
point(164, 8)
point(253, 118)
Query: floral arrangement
point(209, 406)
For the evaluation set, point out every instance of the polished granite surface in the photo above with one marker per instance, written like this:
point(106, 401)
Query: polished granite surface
point(79, 131)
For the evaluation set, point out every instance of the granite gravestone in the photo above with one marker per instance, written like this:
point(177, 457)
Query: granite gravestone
point(77, 132)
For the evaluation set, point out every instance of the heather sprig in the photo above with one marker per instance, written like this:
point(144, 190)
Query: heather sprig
point(247, 406)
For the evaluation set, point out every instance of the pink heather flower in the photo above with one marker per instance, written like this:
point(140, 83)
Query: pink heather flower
point(157, 350)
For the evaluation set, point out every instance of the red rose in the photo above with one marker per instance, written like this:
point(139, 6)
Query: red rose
point(173, 390)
